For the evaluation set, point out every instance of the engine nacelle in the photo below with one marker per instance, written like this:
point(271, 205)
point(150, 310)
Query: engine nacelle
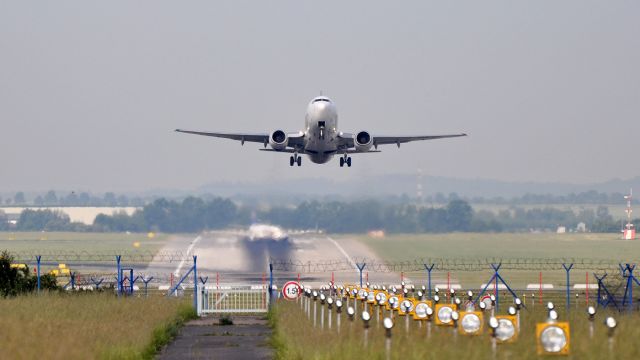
point(278, 140)
point(363, 141)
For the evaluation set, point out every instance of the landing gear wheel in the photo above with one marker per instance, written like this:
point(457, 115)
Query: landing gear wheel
point(349, 161)
point(299, 160)
point(341, 162)
point(291, 161)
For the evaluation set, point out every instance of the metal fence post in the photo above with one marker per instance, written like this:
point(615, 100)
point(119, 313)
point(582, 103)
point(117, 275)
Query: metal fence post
point(429, 268)
point(568, 269)
point(360, 268)
point(195, 283)
point(38, 270)
point(119, 280)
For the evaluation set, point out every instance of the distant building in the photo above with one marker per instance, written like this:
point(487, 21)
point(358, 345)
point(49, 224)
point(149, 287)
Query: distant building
point(582, 227)
point(561, 230)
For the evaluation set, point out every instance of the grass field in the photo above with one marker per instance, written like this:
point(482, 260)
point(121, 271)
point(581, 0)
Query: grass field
point(296, 338)
point(504, 246)
point(88, 326)
point(77, 241)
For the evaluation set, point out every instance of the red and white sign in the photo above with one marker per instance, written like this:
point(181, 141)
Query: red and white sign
point(291, 290)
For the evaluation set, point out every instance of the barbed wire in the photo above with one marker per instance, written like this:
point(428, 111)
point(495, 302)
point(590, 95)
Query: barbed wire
point(133, 257)
point(439, 264)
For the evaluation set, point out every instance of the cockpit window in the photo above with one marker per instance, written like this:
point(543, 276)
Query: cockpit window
point(321, 99)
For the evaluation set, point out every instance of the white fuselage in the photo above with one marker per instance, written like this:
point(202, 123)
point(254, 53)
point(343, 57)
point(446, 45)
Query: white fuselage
point(321, 130)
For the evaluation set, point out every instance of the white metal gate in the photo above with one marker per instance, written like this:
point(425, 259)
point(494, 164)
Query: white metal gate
point(233, 299)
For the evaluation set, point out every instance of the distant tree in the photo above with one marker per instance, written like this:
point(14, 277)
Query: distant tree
point(123, 200)
point(70, 200)
point(43, 220)
point(39, 200)
point(110, 199)
point(19, 199)
point(7, 201)
point(84, 199)
point(459, 215)
point(50, 198)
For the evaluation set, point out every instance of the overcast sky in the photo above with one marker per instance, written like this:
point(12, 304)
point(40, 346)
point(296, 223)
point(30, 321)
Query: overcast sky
point(90, 91)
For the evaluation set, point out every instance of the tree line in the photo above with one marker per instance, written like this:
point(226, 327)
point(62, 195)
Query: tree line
point(196, 214)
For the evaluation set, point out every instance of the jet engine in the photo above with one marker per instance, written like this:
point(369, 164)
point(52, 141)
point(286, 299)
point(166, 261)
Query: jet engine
point(363, 141)
point(278, 140)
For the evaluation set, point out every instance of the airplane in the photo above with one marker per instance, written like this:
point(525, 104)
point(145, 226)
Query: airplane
point(320, 140)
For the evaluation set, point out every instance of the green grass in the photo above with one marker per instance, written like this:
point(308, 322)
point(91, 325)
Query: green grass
point(78, 241)
point(503, 246)
point(88, 326)
point(295, 337)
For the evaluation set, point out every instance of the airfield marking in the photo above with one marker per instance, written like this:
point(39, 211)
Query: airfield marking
point(189, 250)
point(345, 254)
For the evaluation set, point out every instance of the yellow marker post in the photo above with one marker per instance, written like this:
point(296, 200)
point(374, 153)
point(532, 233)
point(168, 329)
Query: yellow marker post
point(443, 313)
point(553, 338)
point(507, 331)
point(471, 323)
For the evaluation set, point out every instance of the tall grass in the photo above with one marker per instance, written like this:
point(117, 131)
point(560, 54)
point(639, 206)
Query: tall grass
point(295, 337)
point(88, 326)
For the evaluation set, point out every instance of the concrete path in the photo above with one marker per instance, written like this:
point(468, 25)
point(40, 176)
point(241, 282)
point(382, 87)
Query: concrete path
point(204, 338)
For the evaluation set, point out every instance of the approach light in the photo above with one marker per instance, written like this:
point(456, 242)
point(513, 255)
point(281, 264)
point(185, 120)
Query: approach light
point(371, 297)
point(436, 298)
point(455, 316)
point(506, 330)
point(420, 294)
point(518, 303)
point(553, 315)
point(443, 314)
point(381, 297)
point(368, 284)
point(420, 311)
point(493, 324)
point(405, 292)
point(592, 312)
point(429, 313)
point(403, 284)
point(330, 303)
point(512, 310)
point(457, 301)
point(365, 318)
point(493, 300)
point(387, 323)
point(470, 295)
point(550, 306)
point(452, 292)
point(315, 295)
point(424, 288)
point(384, 288)
point(611, 325)
point(483, 306)
point(470, 323)
point(436, 290)
point(322, 299)
point(553, 338)
point(351, 312)
point(406, 306)
point(339, 306)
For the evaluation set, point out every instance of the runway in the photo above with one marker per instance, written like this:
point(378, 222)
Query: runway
point(231, 258)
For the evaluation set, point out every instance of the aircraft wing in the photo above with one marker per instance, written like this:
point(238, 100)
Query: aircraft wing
point(346, 140)
point(385, 140)
point(295, 139)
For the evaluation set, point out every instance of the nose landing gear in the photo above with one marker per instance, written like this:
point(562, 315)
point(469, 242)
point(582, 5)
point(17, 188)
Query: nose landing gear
point(345, 160)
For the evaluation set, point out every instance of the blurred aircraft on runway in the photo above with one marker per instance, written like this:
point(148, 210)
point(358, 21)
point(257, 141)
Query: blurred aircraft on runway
point(320, 139)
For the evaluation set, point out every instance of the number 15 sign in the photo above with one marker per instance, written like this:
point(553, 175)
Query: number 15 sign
point(291, 290)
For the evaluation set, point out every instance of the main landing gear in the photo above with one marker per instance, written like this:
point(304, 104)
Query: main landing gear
point(295, 159)
point(345, 160)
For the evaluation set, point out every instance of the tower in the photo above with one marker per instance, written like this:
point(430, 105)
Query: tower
point(629, 231)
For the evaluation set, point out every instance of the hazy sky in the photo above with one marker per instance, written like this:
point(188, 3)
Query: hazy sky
point(90, 91)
